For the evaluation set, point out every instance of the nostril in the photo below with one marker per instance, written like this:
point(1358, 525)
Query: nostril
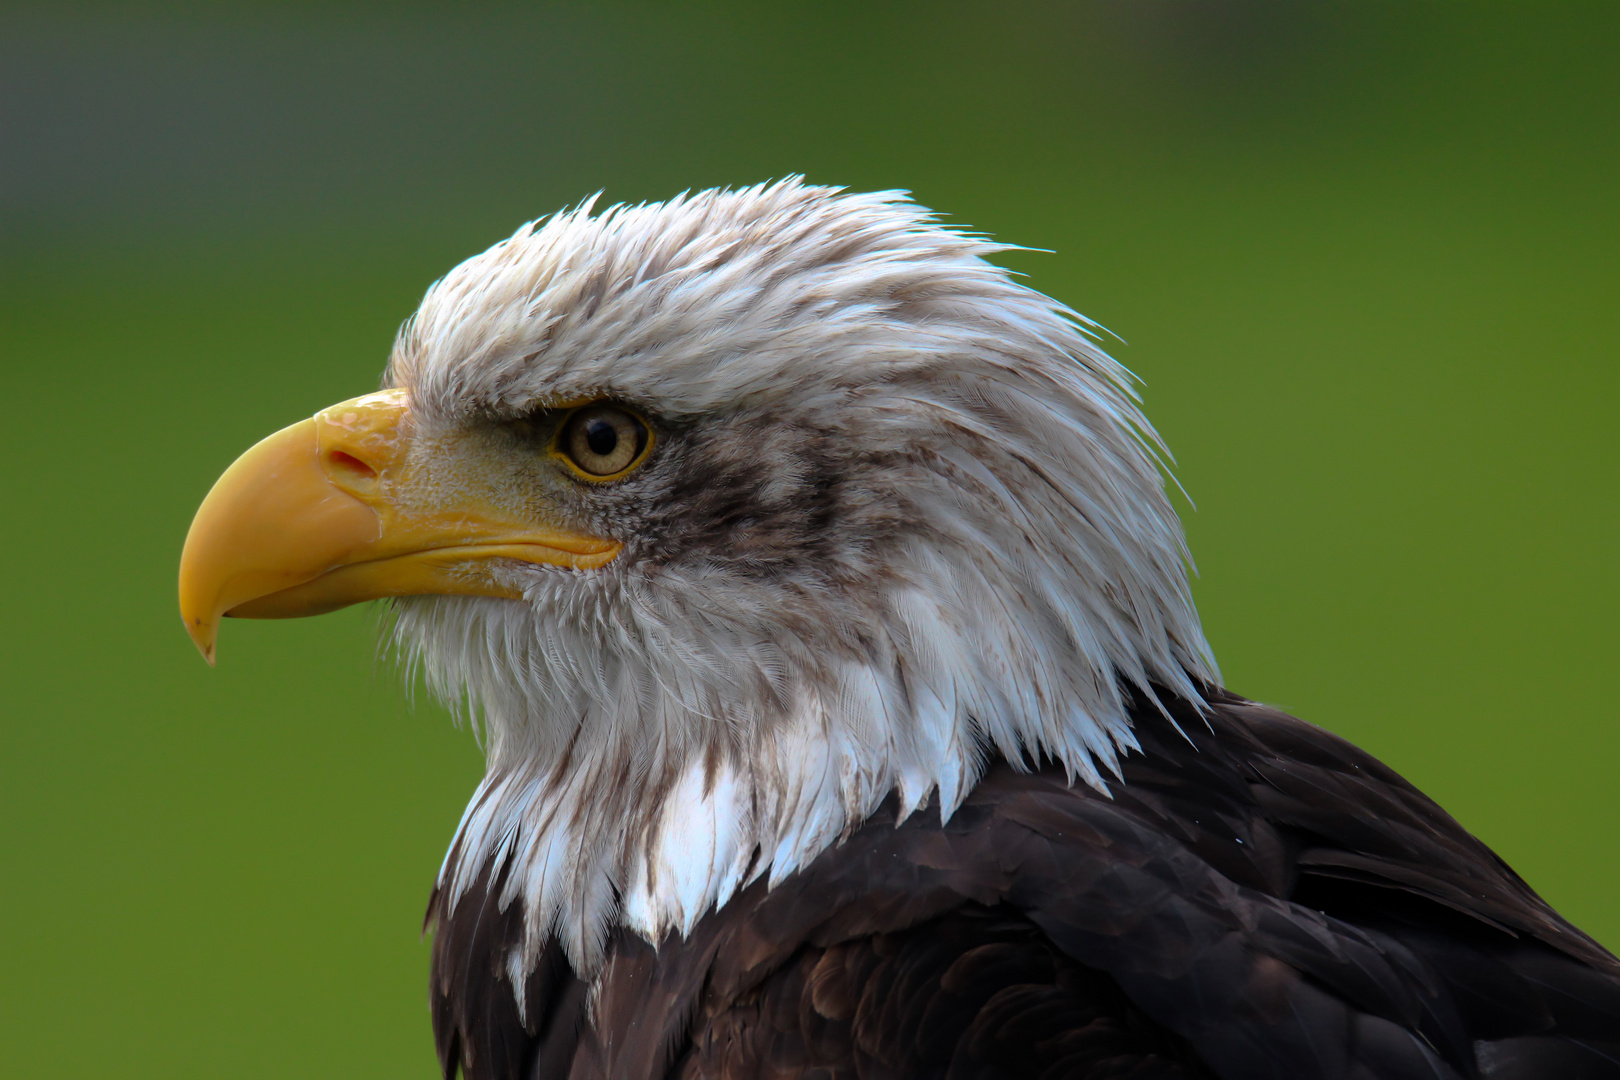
point(349, 466)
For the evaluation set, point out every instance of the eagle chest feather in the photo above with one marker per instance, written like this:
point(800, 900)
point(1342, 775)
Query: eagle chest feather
point(1257, 899)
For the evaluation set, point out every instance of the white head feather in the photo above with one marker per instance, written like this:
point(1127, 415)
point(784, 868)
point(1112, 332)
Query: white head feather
point(904, 515)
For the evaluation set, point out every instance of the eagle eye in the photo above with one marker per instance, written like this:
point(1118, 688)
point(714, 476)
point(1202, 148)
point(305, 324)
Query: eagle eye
point(603, 442)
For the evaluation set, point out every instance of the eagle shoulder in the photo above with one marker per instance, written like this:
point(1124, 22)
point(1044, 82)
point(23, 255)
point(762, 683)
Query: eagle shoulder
point(1256, 898)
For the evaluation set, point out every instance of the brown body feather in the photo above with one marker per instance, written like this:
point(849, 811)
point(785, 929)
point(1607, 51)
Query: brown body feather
point(1258, 899)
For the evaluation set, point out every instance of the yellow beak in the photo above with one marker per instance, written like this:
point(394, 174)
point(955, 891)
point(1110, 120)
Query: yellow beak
point(333, 510)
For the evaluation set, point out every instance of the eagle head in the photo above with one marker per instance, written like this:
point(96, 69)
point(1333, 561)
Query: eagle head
point(729, 517)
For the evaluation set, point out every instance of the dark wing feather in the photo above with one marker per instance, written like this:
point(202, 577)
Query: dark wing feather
point(1257, 899)
point(979, 993)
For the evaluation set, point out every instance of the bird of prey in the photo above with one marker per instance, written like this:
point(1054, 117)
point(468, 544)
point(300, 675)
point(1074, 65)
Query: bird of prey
point(846, 709)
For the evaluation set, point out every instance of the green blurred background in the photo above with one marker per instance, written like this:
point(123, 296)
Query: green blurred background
point(1364, 255)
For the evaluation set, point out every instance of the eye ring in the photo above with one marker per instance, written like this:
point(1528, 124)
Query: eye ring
point(602, 441)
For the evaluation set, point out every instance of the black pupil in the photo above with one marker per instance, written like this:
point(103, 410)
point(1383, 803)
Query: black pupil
point(601, 436)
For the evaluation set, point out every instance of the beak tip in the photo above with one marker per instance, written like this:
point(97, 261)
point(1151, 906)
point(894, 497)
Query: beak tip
point(203, 636)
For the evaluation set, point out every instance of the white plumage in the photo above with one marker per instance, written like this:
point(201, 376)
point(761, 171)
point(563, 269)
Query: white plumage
point(946, 536)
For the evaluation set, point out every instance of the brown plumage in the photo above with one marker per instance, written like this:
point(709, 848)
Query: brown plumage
point(1257, 899)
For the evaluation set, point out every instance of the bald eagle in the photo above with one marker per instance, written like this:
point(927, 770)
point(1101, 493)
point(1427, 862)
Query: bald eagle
point(846, 709)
